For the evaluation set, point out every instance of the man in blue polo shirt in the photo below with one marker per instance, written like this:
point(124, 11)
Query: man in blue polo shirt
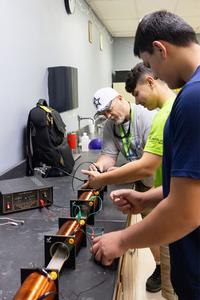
point(168, 45)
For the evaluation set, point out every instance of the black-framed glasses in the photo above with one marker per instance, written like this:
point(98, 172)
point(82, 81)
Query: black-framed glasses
point(109, 107)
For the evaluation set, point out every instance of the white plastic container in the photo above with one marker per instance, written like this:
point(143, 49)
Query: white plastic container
point(85, 142)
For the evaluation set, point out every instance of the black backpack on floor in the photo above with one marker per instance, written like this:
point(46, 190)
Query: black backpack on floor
point(46, 145)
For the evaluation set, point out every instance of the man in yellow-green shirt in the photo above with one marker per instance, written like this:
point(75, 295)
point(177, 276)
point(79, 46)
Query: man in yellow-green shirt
point(154, 142)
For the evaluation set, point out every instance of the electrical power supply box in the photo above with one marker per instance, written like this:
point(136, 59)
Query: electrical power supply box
point(24, 193)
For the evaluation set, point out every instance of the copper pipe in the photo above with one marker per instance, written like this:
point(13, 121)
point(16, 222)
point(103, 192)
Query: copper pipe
point(35, 286)
point(69, 228)
point(72, 228)
point(88, 195)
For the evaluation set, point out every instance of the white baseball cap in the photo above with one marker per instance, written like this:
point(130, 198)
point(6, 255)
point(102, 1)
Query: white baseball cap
point(102, 99)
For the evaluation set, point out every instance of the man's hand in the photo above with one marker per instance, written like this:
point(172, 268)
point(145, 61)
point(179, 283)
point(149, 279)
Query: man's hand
point(108, 247)
point(128, 201)
point(93, 179)
point(86, 185)
point(95, 167)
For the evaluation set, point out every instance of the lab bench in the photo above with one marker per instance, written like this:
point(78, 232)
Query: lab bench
point(23, 247)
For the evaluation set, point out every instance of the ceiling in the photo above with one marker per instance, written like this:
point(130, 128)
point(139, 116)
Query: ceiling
point(121, 17)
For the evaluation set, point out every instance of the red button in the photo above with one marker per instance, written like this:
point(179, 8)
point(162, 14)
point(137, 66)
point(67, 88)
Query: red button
point(42, 203)
point(8, 205)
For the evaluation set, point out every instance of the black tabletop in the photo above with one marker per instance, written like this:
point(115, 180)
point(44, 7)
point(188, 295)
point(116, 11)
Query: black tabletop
point(23, 246)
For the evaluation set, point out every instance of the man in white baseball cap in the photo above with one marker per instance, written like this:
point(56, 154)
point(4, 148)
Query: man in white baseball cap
point(103, 99)
point(126, 129)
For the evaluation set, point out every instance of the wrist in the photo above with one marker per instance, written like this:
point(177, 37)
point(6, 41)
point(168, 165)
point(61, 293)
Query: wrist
point(152, 197)
point(102, 179)
point(123, 241)
point(143, 200)
point(140, 199)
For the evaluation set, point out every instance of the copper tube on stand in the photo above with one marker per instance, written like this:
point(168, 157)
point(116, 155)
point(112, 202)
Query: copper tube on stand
point(62, 252)
point(88, 195)
point(36, 284)
point(69, 228)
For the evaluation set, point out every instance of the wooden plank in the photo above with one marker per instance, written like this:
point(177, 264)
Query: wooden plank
point(127, 271)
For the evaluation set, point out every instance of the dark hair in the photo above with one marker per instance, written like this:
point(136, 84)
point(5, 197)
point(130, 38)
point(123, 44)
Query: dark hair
point(162, 25)
point(136, 74)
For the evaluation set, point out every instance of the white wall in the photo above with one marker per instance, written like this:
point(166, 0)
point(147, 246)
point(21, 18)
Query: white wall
point(36, 34)
point(123, 57)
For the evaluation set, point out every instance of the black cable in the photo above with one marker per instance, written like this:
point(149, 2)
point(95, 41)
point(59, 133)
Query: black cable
point(78, 187)
point(65, 172)
point(85, 162)
point(98, 170)
point(44, 296)
point(90, 288)
point(74, 294)
point(42, 271)
point(45, 273)
point(73, 175)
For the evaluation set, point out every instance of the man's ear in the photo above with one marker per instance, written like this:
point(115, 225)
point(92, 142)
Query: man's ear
point(160, 47)
point(150, 80)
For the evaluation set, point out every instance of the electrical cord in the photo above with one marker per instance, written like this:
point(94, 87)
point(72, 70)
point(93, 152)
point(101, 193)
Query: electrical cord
point(85, 162)
point(93, 234)
point(91, 288)
point(78, 187)
point(47, 170)
point(100, 207)
point(84, 291)
point(72, 175)
point(14, 222)
point(79, 214)
point(45, 273)
point(98, 170)
point(44, 296)
point(9, 223)
point(65, 172)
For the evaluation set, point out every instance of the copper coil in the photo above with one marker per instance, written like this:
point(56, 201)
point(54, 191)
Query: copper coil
point(72, 228)
point(35, 286)
point(88, 195)
point(69, 228)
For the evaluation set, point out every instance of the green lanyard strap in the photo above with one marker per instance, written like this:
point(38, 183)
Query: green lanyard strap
point(126, 137)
